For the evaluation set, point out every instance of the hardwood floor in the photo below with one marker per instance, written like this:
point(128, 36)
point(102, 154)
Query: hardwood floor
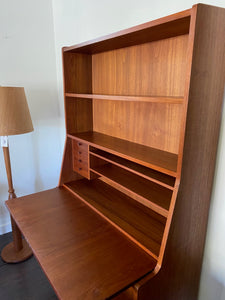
point(23, 281)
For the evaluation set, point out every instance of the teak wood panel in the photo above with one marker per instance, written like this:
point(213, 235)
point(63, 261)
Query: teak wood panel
point(186, 240)
point(141, 224)
point(150, 194)
point(67, 173)
point(83, 256)
point(151, 69)
point(152, 99)
point(77, 72)
point(142, 171)
point(166, 27)
point(79, 115)
point(151, 124)
point(156, 159)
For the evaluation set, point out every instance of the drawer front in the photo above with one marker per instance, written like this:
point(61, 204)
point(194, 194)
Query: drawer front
point(79, 146)
point(80, 158)
point(81, 168)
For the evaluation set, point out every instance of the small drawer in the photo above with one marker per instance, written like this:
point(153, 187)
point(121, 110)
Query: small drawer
point(79, 146)
point(81, 167)
point(81, 156)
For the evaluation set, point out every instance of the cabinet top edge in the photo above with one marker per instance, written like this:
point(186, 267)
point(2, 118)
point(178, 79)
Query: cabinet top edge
point(97, 45)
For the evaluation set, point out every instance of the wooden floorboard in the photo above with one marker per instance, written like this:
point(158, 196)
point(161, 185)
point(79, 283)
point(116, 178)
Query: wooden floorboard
point(23, 281)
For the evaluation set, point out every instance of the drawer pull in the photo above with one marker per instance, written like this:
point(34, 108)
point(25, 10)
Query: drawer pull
point(80, 144)
point(80, 160)
point(80, 169)
point(80, 152)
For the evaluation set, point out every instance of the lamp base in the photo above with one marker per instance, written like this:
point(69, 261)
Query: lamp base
point(10, 255)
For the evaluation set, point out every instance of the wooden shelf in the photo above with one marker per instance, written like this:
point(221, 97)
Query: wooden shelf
point(173, 25)
point(157, 177)
point(156, 159)
point(152, 99)
point(150, 194)
point(139, 223)
point(65, 234)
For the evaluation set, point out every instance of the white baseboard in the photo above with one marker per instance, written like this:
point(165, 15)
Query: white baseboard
point(4, 228)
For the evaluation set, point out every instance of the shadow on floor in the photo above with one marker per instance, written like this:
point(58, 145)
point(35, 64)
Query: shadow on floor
point(23, 281)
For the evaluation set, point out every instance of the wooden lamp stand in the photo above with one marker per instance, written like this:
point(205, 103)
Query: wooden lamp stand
point(18, 250)
point(14, 119)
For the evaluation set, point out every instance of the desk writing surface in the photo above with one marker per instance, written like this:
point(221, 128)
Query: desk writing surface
point(83, 256)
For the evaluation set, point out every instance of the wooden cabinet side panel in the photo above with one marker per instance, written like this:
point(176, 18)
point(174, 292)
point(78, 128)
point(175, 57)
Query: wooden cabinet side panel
point(67, 174)
point(179, 276)
point(128, 294)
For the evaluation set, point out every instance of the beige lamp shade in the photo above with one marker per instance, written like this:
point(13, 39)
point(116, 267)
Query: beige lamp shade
point(14, 112)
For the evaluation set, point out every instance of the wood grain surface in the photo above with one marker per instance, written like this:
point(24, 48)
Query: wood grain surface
point(83, 256)
point(143, 70)
point(188, 230)
point(152, 99)
point(138, 222)
point(157, 177)
point(156, 159)
point(150, 194)
point(162, 28)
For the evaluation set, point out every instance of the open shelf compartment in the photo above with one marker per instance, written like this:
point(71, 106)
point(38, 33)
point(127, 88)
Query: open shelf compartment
point(141, 224)
point(148, 193)
point(156, 159)
point(145, 172)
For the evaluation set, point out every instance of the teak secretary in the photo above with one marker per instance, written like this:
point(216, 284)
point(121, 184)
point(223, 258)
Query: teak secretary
point(143, 111)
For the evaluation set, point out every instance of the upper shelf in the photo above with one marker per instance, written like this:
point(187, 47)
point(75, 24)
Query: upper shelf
point(156, 159)
point(170, 26)
point(154, 99)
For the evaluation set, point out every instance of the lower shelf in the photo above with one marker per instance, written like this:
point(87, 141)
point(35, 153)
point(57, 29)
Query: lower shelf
point(138, 222)
point(150, 194)
point(83, 256)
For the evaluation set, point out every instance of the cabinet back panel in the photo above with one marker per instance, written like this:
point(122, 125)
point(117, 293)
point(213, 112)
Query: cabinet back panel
point(152, 124)
point(151, 69)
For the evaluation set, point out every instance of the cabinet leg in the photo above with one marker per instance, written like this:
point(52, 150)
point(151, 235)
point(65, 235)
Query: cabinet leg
point(18, 250)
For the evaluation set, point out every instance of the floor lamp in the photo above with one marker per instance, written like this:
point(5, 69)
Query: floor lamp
point(14, 119)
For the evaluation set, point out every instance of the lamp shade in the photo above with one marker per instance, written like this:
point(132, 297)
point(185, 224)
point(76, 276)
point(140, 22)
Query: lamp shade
point(14, 112)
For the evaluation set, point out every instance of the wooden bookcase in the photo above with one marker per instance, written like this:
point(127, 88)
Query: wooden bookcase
point(142, 111)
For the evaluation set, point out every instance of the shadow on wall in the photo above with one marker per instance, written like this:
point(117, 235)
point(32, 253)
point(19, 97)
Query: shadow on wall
point(211, 288)
point(3, 197)
point(46, 148)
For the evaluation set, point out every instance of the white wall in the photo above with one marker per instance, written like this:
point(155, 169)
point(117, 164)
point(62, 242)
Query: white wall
point(27, 58)
point(81, 20)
